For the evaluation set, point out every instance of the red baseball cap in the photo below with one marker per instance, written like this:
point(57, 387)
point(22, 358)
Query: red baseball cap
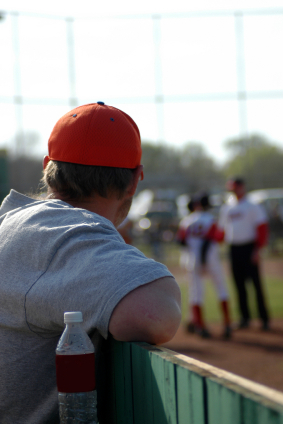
point(96, 134)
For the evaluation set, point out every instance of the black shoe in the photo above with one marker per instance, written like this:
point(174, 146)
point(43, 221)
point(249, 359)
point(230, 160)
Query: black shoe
point(265, 326)
point(190, 327)
point(204, 333)
point(227, 333)
point(244, 323)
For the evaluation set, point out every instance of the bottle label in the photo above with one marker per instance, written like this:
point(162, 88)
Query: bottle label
point(75, 373)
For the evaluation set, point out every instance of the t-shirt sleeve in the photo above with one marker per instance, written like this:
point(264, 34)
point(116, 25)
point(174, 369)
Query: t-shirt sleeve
point(90, 273)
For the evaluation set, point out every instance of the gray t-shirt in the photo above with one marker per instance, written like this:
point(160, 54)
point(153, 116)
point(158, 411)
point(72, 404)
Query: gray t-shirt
point(55, 258)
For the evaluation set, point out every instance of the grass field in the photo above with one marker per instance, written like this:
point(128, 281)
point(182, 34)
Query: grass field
point(273, 287)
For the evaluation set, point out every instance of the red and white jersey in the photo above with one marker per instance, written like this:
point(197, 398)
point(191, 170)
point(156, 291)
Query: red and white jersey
point(195, 228)
point(240, 219)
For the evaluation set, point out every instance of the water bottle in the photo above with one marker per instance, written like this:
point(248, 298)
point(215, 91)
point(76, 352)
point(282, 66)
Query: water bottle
point(75, 373)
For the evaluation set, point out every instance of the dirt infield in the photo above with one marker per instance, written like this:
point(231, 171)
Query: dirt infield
point(250, 353)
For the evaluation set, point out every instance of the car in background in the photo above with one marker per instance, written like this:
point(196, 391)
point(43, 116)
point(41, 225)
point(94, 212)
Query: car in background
point(155, 215)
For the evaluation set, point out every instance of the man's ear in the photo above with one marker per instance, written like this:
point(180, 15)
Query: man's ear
point(45, 161)
point(137, 176)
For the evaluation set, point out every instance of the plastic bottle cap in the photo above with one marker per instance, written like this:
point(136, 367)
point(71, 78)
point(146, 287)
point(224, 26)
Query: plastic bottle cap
point(73, 317)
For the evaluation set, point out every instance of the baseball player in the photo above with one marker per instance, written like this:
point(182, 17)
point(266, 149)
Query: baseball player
point(244, 226)
point(197, 232)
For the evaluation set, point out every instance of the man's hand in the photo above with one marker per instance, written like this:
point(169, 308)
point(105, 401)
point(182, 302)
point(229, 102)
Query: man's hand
point(150, 313)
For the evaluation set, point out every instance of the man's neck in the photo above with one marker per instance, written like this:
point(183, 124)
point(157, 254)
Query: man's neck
point(106, 207)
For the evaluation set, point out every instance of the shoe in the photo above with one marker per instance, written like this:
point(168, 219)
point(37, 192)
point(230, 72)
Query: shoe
point(227, 333)
point(203, 332)
point(244, 323)
point(190, 327)
point(265, 326)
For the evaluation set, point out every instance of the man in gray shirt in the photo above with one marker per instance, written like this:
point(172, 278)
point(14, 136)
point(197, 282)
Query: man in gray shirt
point(63, 253)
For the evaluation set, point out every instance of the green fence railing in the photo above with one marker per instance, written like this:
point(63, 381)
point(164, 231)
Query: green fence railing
point(144, 384)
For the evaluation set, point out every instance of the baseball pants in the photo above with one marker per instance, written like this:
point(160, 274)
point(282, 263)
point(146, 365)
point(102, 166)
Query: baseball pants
point(243, 269)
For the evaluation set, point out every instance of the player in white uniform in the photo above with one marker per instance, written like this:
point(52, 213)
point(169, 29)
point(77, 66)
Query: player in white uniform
point(197, 232)
point(244, 226)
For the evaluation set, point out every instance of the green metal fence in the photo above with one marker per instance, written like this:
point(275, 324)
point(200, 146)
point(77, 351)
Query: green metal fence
point(147, 384)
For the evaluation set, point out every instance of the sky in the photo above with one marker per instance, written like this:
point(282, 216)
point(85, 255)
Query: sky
point(175, 67)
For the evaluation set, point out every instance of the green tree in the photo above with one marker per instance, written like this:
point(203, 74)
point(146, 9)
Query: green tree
point(257, 160)
point(187, 170)
point(25, 174)
point(159, 159)
point(200, 169)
